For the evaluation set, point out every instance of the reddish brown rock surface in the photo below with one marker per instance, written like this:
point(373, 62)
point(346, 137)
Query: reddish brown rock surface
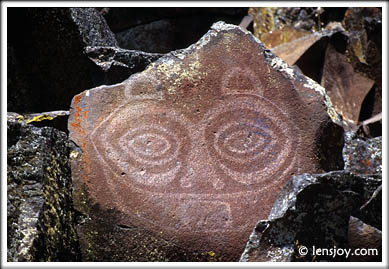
point(186, 156)
point(365, 241)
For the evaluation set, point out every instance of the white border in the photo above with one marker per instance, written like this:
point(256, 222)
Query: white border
point(193, 3)
point(6, 4)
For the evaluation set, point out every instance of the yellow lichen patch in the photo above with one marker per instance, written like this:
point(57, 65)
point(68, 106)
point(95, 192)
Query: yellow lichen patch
point(178, 72)
point(20, 118)
point(211, 253)
point(358, 50)
point(74, 154)
point(40, 118)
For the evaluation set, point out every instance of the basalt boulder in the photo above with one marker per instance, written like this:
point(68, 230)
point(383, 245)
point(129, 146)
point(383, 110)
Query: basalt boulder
point(311, 213)
point(40, 214)
point(178, 162)
point(340, 209)
point(55, 53)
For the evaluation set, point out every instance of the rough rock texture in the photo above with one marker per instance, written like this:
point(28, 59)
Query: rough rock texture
point(56, 119)
point(47, 61)
point(48, 44)
point(303, 20)
point(118, 64)
point(363, 236)
point(93, 28)
point(292, 51)
point(364, 53)
point(363, 155)
point(312, 211)
point(346, 60)
point(40, 215)
point(346, 88)
point(189, 153)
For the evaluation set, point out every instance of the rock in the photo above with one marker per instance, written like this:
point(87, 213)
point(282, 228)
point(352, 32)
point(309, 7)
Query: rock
point(40, 214)
point(346, 87)
point(121, 18)
point(291, 51)
point(312, 212)
point(268, 20)
point(363, 156)
point(47, 59)
point(281, 36)
point(56, 119)
point(364, 53)
point(156, 36)
point(174, 155)
point(365, 239)
point(119, 64)
point(93, 28)
point(161, 30)
point(18, 89)
point(48, 44)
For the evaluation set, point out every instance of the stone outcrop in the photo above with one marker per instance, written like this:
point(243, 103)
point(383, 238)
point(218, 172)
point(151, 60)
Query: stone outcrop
point(40, 215)
point(312, 212)
point(188, 154)
point(164, 29)
point(56, 53)
point(367, 238)
point(343, 207)
point(118, 64)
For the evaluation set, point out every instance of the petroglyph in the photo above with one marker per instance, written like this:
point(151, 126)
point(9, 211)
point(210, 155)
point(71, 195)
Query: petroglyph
point(211, 215)
point(146, 148)
point(250, 138)
point(199, 144)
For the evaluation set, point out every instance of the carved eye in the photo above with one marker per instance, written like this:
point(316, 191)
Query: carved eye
point(241, 140)
point(150, 146)
point(249, 138)
point(145, 148)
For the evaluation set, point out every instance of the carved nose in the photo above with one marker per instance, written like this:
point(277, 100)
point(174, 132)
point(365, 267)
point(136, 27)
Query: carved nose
point(200, 171)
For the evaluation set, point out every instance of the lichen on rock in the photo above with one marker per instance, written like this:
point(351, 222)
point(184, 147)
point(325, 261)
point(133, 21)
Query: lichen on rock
point(40, 214)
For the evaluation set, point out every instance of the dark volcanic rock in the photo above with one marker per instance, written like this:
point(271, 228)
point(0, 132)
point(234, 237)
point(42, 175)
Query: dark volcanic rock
point(56, 119)
point(48, 45)
point(189, 153)
point(55, 53)
point(269, 20)
point(364, 53)
point(165, 29)
point(93, 28)
point(121, 18)
point(40, 215)
point(312, 211)
point(157, 36)
point(118, 64)
point(363, 155)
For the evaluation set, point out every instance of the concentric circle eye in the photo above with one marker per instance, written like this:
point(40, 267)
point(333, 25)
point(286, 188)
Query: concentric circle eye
point(242, 140)
point(249, 138)
point(151, 146)
point(147, 148)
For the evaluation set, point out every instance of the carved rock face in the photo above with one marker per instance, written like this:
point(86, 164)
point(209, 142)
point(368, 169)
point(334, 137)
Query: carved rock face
point(196, 148)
